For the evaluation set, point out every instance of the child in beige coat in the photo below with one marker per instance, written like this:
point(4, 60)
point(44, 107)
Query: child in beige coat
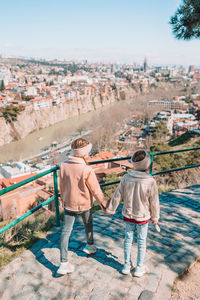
point(139, 192)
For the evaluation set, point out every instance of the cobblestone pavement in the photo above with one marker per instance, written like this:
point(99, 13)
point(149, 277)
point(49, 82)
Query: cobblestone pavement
point(97, 277)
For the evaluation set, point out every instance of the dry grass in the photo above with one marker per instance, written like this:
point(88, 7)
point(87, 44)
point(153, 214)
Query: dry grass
point(23, 235)
point(164, 188)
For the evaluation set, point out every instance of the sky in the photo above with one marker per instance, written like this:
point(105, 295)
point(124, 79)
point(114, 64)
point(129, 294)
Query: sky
point(117, 31)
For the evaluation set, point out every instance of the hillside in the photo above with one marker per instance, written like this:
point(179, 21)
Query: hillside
point(185, 138)
point(183, 178)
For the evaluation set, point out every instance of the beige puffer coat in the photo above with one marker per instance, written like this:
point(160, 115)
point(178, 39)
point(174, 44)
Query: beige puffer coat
point(139, 192)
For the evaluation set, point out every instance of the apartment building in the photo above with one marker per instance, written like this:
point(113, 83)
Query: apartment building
point(39, 103)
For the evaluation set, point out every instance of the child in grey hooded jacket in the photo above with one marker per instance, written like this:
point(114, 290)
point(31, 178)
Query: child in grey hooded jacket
point(139, 192)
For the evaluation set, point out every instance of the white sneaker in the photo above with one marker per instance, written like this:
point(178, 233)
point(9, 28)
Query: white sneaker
point(89, 249)
point(65, 267)
point(140, 271)
point(127, 269)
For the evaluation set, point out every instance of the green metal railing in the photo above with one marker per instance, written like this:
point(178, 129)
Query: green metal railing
point(30, 212)
point(56, 195)
point(171, 152)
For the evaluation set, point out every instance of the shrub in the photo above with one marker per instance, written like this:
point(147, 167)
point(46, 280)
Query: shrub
point(11, 112)
point(110, 189)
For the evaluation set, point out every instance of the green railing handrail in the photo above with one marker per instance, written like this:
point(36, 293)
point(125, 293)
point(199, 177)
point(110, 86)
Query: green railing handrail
point(21, 183)
point(109, 160)
point(28, 213)
point(56, 195)
point(174, 151)
point(171, 152)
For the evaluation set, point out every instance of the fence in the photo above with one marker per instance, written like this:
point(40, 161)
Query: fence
point(56, 195)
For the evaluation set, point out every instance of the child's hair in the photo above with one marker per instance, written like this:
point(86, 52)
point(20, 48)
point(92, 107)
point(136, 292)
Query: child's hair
point(138, 155)
point(79, 143)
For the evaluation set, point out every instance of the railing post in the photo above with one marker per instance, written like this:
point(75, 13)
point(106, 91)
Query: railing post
point(55, 181)
point(151, 165)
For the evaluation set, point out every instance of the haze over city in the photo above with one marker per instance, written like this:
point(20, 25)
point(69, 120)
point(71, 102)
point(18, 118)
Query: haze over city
point(105, 31)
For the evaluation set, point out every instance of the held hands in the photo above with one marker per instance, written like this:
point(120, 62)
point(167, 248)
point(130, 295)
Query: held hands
point(109, 215)
point(104, 211)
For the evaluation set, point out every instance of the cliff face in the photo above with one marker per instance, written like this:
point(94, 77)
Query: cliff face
point(29, 121)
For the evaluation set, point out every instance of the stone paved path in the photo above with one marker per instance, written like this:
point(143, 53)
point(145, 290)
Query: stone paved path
point(98, 277)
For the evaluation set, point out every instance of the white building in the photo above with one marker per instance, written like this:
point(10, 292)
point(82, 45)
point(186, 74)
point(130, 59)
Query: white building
point(165, 116)
point(168, 103)
point(70, 94)
point(41, 103)
point(5, 75)
point(31, 91)
point(183, 116)
point(15, 170)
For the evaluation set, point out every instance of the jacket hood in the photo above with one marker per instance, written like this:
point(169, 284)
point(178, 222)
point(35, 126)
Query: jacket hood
point(143, 164)
point(139, 174)
point(76, 160)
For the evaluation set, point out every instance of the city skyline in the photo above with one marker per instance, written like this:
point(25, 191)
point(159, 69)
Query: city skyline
point(105, 31)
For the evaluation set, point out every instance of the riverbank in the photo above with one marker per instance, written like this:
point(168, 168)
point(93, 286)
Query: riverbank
point(39, 141)
point(32, 119)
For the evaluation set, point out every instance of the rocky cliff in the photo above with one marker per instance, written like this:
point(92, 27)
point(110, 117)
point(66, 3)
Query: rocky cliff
point(29, 121)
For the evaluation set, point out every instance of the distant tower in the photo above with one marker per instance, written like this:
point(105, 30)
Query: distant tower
point(145, 64)
point(111, 68)
point(191, 69)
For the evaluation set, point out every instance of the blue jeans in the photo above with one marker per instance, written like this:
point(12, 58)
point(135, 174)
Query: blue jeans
point(141, 231)
point(69, 218)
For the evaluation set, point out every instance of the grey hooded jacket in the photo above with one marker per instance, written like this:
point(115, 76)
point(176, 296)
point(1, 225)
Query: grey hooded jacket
point(139, 192)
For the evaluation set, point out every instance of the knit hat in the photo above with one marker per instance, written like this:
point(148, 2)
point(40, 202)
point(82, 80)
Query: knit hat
point(82, 151)
point(143, 164)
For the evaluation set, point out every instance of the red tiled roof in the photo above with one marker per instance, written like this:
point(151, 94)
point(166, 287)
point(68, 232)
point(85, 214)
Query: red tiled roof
point(124, 153)
point(196, 102)
point(47, 88)
point(102, 155)
point(114, 170)
point(6, 182)
point(36, 100)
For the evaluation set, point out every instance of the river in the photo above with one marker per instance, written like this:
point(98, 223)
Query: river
point(37, 141)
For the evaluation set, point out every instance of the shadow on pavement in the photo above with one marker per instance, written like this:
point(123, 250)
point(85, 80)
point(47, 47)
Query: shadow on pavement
point(176, 246)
